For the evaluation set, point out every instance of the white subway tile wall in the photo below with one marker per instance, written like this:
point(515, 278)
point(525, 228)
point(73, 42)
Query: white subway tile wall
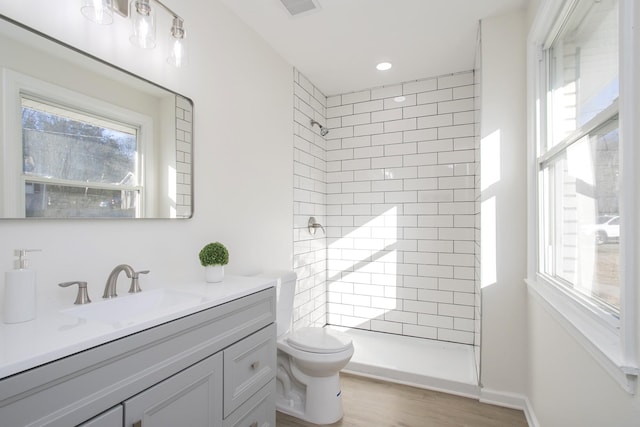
point(402, 209)
point(396, 184)
point(184, 153)
point(311, 183)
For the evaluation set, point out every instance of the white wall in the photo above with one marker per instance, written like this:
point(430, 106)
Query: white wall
point(242, 93)
point(503, 210)
point(567, 387)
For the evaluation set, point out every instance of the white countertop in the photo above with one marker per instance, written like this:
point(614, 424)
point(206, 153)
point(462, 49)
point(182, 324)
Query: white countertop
point(55, 334)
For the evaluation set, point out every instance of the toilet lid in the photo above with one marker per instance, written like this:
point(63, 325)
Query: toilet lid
point(319, 340)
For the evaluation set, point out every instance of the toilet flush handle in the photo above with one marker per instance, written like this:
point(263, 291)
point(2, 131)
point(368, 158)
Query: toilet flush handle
point(313, 226)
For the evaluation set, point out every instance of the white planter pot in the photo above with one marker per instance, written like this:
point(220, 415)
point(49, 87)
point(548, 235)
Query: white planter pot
point(214, 273)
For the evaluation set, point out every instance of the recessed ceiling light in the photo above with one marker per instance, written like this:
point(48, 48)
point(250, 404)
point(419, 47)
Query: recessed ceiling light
point(384, 66)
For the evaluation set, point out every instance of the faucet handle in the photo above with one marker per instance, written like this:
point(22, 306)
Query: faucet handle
point(135, 286)
point(83, 295)
point(312, 226)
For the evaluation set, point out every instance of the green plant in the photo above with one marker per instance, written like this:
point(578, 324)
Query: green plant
point(214, 254)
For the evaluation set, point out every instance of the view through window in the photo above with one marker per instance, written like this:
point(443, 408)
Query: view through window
point(76, 164)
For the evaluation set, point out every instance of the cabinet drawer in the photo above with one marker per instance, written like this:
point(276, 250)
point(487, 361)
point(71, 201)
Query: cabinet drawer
point(258, 411)
point(248, 366)
point(111, 418)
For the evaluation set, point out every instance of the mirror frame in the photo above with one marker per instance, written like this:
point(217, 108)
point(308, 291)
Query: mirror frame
point(92, 61)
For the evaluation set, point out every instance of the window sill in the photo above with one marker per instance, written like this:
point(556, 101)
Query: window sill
point(601, 341)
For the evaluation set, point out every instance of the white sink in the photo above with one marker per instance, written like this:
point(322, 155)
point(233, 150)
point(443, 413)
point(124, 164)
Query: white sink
point(133, 308)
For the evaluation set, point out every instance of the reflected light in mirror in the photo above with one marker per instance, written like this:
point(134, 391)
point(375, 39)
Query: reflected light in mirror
point(171, 196)
point(172, 186)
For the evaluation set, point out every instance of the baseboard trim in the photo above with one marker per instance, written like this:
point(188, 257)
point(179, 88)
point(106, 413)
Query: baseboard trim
point(510, 400)
point(531, 416)
point(413, 380)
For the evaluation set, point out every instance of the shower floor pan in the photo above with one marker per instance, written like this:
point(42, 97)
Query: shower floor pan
point(429, 364)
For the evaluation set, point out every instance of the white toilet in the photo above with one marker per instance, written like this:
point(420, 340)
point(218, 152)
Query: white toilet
point(309, 359)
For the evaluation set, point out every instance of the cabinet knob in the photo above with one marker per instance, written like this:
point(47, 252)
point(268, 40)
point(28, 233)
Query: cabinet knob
point(255, 365)
point(137, 424)
point(253, 424)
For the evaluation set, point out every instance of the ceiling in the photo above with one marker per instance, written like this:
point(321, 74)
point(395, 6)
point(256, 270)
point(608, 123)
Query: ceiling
point(338, 45)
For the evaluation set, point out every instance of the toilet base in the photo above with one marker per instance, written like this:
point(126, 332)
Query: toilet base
point(319, 403)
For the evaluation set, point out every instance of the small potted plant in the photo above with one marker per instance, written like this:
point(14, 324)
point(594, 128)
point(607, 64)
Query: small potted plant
point(213, 257)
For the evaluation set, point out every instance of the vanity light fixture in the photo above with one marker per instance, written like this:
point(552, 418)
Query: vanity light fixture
point(143, 24)
point(384, 66)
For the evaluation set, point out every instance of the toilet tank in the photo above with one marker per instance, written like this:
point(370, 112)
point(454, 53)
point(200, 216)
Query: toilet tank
point(285, 291)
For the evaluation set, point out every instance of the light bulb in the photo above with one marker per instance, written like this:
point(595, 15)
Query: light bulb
point(177, 44)
point(143, 23)
point(384, 66)
point(98, 11)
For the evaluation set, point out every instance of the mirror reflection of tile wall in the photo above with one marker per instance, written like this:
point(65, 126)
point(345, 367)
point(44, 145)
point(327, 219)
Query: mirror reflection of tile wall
point(184, 152)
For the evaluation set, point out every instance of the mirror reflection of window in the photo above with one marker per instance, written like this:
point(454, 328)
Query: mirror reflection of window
point(77, 164)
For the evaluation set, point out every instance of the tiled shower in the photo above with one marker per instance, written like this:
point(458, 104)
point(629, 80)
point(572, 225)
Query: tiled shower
point(395, 185)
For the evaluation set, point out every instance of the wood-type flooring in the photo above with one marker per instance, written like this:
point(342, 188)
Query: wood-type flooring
point(373, 403)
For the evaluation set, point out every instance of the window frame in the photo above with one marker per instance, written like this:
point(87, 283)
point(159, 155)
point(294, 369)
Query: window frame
point(15, 85)
point(611, 341)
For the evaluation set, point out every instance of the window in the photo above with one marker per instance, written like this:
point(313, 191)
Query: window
point(76, 164)
point(577, 237)
point(578, 158)
point(578, 191)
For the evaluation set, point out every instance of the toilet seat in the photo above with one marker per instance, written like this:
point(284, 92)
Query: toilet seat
point(319, 340)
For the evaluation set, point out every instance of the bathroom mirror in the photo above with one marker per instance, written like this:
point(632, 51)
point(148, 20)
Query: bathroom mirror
point(84, 139)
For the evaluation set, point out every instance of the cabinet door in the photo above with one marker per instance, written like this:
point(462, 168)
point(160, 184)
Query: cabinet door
point(191, 398)
point(110, 418)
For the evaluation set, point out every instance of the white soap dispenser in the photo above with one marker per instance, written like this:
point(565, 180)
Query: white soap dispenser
point(20, 291)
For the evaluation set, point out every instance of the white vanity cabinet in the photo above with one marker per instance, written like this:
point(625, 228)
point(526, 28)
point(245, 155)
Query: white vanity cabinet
point(213, 368)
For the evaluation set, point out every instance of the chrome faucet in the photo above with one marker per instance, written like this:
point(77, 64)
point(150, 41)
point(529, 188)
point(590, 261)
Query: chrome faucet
point(110, 287)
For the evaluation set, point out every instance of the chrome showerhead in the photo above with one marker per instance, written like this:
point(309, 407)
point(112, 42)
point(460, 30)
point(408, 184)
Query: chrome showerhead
point(323, 130)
